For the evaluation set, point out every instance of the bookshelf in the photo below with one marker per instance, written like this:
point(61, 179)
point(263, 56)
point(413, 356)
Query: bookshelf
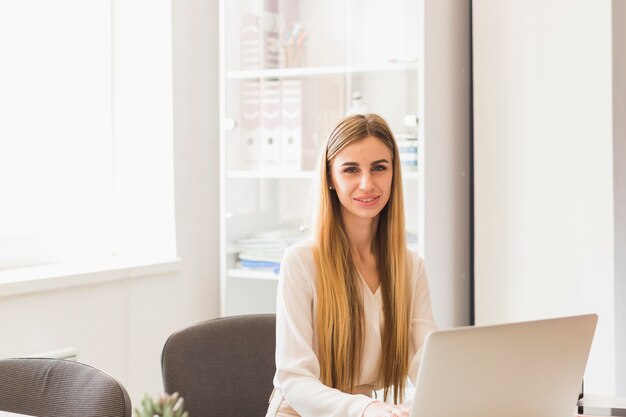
point(345, 54)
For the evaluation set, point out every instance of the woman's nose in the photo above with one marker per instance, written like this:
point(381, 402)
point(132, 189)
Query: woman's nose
point(366, 182)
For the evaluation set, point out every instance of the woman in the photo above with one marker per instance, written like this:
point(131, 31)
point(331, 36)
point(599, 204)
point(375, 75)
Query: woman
point(353, 306)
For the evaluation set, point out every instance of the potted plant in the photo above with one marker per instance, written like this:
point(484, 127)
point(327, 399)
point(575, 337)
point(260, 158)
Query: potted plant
point(165, 406)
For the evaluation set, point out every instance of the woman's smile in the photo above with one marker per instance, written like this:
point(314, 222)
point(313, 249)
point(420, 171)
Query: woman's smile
point(367, 201)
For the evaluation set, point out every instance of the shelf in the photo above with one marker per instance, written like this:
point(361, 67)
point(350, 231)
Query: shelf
point(408, 175)
point(272, 174)
point(317, 71)
point(251, 274)
point(270, 275)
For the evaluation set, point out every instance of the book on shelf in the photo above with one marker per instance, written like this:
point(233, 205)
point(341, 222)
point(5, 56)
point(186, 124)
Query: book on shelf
point(261, 260)
point(250, 40)
point(407, 147)
point(260, 265)
point(264, 251)
point(270, 34)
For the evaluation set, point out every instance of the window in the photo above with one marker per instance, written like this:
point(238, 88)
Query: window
point(86, 131)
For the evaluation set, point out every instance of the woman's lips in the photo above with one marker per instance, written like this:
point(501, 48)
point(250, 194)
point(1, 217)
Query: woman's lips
point(367, 201)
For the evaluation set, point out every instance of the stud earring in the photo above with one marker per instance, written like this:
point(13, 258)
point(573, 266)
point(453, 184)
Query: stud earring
point(330, 187)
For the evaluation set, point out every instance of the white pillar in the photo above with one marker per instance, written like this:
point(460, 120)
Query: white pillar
point(545, 197)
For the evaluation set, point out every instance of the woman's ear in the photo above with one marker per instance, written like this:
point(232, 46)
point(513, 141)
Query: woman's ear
point(329, 179)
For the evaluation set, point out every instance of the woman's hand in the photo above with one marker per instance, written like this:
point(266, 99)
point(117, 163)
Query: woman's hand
point(380, 409)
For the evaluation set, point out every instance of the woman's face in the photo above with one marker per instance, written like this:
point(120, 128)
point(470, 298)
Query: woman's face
point(361, 175)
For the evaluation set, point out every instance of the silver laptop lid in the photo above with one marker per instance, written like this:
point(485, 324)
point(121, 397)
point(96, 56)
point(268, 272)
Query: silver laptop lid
point(527, 369)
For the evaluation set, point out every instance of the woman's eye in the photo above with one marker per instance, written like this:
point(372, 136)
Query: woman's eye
point(351, 170)
point(378, 168)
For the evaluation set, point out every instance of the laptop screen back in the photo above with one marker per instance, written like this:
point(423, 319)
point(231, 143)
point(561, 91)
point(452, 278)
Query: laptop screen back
point(528, 369)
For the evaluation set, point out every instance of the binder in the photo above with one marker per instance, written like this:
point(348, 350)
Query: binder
point(270, 34)
point(250, 139)
point(250, 41)
point(260, 35)
point(270, 125)
point(291, 125)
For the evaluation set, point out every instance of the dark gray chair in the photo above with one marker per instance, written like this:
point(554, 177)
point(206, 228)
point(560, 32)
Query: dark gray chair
point(222, 367)
point(59, 388)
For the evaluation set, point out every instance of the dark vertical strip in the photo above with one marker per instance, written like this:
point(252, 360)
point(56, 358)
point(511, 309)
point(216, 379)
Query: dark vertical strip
point(618, 16)
point(471, 169)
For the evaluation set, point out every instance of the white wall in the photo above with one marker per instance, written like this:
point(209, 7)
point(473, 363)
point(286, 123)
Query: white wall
point(121, 326)
point(444, 127)
point(544, 190)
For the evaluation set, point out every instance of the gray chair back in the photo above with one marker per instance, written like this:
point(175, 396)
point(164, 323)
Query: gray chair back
point(59, 388)
point(223, 367)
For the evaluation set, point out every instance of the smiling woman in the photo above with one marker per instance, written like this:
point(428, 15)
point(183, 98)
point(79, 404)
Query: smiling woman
point(353, 305)
point(86, 132)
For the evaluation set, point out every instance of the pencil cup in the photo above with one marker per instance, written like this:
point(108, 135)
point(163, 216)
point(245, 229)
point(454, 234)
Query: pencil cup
point(294, 56)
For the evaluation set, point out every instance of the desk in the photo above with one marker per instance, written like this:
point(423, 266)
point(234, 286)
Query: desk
point(7, 414)
point(598, 405)
point(594, 402)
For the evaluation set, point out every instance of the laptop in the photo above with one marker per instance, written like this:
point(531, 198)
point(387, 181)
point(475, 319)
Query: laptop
point(526, 369)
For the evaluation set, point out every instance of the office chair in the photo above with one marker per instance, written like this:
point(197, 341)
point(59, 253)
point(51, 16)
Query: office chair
point(59, 388)
point(222, 367)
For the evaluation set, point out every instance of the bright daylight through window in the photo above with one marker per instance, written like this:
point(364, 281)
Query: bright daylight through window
point(85, 137)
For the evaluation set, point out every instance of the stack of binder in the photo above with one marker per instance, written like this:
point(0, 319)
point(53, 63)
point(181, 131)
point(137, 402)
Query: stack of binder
point(264, 251)
point(271, 109)
point(271, 115)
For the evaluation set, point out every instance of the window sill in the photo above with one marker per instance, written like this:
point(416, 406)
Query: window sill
point(63, 275)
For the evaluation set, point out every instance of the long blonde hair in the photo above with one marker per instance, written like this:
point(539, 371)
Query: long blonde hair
point(340, 321)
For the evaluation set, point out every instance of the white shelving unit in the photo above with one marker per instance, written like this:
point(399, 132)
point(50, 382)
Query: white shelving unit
point(349, 46)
